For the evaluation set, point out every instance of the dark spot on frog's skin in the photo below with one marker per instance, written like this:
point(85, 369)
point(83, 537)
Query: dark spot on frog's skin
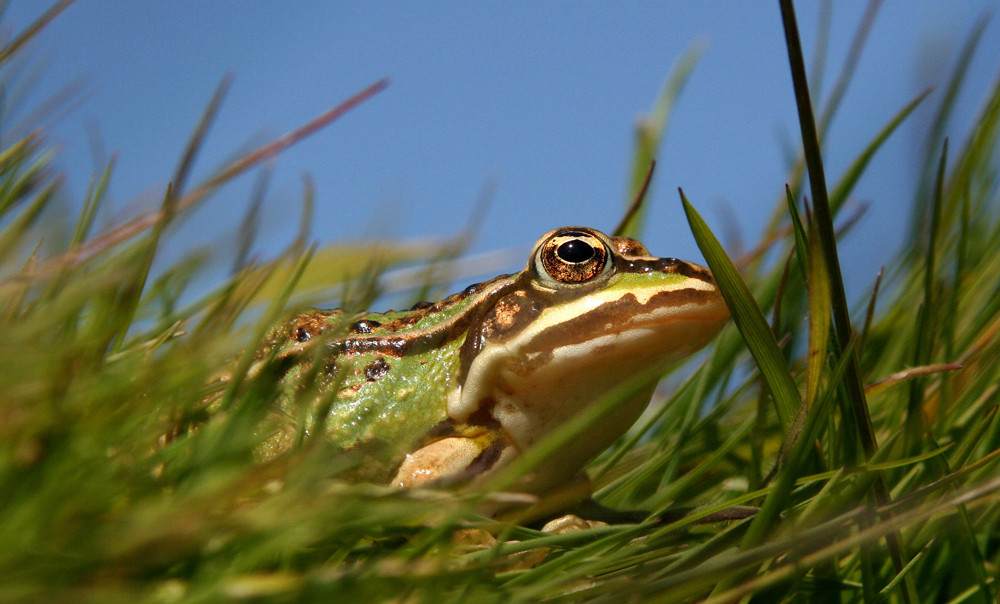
point(664, 265)
point(330, 367)
point(364, 326)
point(301, 328)
point(630, 247)
point(483, 416)
point(508, 316)
point(486, 459)
point(376, 369)
point(442, 429)
point(422, 305)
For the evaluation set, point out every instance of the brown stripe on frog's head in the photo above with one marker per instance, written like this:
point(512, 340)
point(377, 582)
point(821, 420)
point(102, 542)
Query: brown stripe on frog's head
point(627, 246)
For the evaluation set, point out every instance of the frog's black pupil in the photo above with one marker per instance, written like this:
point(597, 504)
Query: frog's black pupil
point(575, 251)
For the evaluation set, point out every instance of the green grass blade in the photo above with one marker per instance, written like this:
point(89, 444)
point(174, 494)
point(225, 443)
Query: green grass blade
point(779, 496)
point(748, 318)
point(801, 239)
point(198, 135)
point(13, 234)
point(819, 316)
point(926, 324)
point(238, 166)
point(824, 228)
point(270, 317)
point(824, 225)
point(92, 201)
point(10, 159)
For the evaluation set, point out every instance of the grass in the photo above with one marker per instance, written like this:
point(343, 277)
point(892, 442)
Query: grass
point(868, 440)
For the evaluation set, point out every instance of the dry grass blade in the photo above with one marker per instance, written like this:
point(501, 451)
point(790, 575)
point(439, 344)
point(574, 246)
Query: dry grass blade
point(24, 37)
point(908, 374)
point(637, 202)
point(141, 223)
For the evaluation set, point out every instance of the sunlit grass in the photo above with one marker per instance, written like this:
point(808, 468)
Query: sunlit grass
point(131, 413)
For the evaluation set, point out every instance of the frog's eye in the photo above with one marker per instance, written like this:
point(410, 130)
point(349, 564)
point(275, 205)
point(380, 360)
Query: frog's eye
point(572, 256)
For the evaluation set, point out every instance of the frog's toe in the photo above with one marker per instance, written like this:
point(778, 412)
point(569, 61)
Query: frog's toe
point(453, 460)
point(440, 459)
point(570, 523)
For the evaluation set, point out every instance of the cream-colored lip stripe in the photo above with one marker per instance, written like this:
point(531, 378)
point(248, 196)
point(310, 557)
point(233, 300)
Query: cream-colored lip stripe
point(643, 294)
point(559, 314)
point(690, 312)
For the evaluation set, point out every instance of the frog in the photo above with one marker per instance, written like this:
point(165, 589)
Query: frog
point(453, 391)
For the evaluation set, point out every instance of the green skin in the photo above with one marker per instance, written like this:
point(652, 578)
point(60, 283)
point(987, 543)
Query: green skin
point(467, 375)
point(383, 404)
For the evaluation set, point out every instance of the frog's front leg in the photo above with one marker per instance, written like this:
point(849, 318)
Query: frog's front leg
point(454, 459)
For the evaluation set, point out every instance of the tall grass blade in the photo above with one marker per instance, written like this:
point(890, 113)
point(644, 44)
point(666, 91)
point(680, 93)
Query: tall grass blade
point(926, 325)
point(748, 318)
point(236, 167)
point(827, 240)
point(819, 316)
point(824, 225)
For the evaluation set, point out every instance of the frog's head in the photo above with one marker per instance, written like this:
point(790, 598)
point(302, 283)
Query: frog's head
point(588, 313)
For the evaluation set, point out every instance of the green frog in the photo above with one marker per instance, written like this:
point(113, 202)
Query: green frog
point(451, 391)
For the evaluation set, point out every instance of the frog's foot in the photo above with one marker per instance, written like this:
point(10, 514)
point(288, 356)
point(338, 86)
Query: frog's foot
point(570, 523)
point(451, 460)
point(594, 511)
point(736, 512)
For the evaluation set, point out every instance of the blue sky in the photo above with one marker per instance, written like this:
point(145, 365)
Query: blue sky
point(540, 98)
